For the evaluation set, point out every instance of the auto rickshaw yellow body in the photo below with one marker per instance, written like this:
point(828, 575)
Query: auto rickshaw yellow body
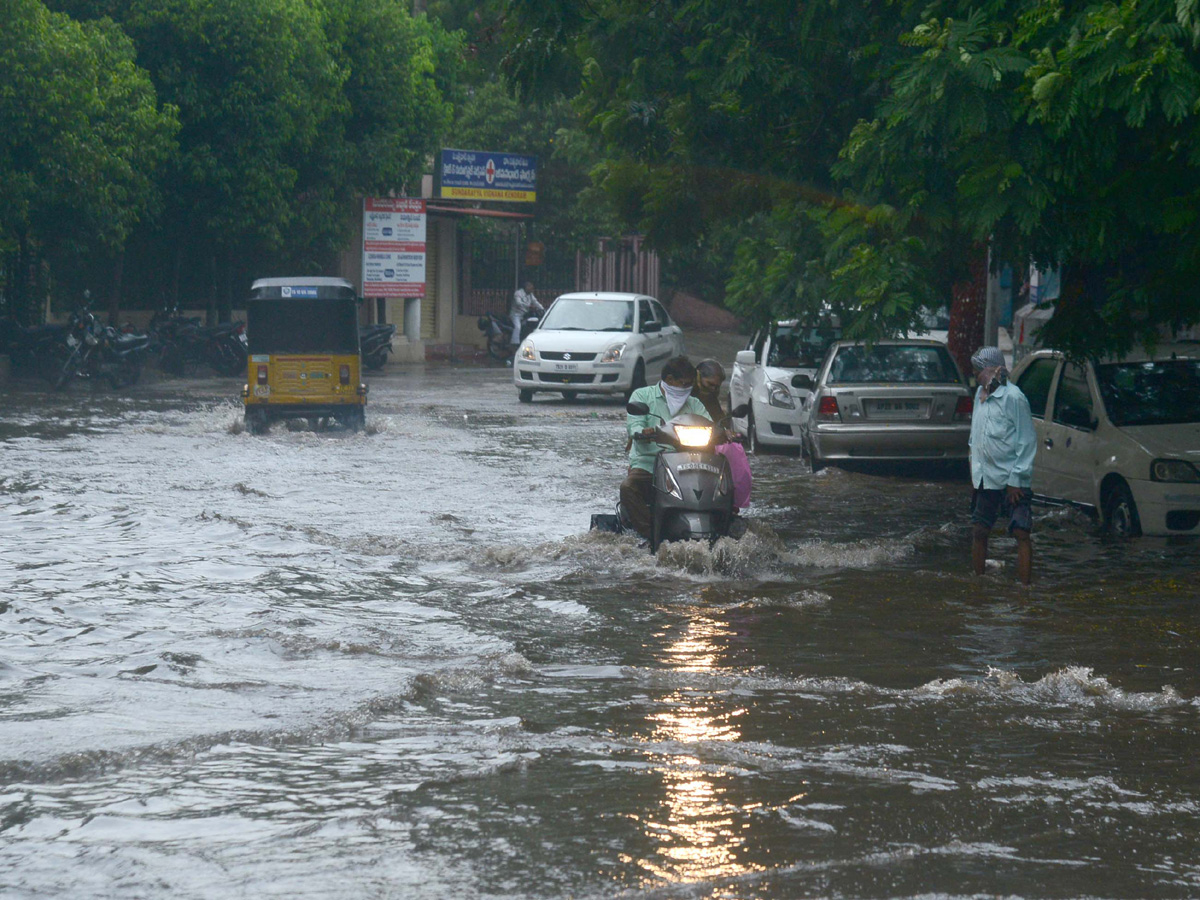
point(303, 353)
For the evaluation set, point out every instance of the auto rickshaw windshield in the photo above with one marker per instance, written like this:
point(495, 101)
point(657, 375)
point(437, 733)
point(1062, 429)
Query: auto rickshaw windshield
point(301, 326)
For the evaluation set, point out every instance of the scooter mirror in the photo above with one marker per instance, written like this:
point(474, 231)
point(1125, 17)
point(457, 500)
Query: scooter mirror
point(637, 408)
point(740, 412)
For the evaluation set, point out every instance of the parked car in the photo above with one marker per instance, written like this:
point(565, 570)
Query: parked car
point(596, 343)
point(1119, 437)
point(893, 400)
point(764, 378)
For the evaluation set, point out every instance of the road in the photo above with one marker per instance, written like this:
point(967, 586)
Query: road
point(396, 664)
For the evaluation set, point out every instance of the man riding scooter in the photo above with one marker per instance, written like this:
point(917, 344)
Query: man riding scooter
point(665, 400)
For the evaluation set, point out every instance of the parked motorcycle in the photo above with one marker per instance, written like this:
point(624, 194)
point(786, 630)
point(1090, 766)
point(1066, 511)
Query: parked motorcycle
point(36, 350)
point(99, 352)
point(184, 345)
point(375, 343)
point(693, 484)
point(499, 333)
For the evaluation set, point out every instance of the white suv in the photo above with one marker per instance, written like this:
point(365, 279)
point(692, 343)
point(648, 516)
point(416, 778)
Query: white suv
point(1120, 438)
point(596, 343)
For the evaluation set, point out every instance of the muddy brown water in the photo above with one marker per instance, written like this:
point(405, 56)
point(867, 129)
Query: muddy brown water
point(396, 664)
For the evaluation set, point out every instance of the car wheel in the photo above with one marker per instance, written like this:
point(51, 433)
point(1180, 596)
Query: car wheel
point(752, 445)
point(814, 460)
point(639, 379)
point(1120, 511)
point(525, 396)
point(570, 395)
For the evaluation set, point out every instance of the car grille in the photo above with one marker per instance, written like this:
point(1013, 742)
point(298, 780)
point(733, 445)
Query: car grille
point(568, 357)
point(548, 378)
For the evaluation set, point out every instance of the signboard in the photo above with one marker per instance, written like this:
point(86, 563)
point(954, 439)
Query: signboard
point(393, 247)
point(484, 175)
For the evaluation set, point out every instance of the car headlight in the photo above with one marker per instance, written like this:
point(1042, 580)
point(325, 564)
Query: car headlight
point(1174, 470)
point(613, 353)
point(779, 395)
point(527, 352)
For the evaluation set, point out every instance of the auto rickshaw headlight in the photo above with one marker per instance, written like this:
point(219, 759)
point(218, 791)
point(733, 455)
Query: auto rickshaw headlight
point(344, 374)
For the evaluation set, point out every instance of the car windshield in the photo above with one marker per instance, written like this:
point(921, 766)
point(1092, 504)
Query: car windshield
point(589, 315)
point(892, 363)
point(1156, 392)
point(799, 347)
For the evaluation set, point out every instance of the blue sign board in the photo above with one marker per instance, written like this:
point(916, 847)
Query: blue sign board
point(486, 175)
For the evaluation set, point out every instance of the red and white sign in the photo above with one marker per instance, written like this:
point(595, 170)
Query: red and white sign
point(393, 247)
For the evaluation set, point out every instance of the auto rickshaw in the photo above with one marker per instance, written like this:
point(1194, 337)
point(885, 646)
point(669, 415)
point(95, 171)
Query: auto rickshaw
point(304, 360)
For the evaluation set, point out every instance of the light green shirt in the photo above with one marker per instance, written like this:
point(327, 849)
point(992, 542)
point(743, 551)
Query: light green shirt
point(1003, 443)
point(642, 453)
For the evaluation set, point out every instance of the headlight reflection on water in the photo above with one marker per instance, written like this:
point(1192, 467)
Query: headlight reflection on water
point(698, 835)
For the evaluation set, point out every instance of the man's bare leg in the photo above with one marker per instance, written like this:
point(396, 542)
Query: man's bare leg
point(979, 545)
point(1024, 555)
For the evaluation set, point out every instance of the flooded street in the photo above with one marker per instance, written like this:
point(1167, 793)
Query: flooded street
point(396, 664)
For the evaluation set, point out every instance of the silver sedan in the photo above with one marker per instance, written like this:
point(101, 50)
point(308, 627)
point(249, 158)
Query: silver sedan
point(892, 400)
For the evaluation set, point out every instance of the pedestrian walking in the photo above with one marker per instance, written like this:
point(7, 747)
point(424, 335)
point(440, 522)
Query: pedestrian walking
point(1002, 451)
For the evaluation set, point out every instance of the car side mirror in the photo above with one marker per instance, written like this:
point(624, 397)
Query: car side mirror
point(740, 412)
point(744, 358)
point(636, 408)
point(652, 328)
point(803, 381)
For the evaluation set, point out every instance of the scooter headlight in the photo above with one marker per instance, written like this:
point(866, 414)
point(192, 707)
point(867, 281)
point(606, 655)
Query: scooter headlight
point(527, 352)
point(613, 354)
point(673, 485)
point(693, 435)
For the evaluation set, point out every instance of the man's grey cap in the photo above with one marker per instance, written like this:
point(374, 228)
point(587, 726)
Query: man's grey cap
point(987, 358)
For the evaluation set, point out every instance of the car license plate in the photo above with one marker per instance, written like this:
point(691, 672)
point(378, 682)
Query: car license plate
point(898, 409)
point(566, 367)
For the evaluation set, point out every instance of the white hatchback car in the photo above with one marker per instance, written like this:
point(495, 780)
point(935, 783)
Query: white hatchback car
point(596, 343)
point(766, 377)
point(1119, 438)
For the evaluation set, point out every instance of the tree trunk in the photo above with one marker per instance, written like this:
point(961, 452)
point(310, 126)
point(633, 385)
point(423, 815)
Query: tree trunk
point(968, 310)
point(114, 297)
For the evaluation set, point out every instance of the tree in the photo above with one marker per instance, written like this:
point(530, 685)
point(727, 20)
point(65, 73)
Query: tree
point(81, 137)
point(1063, 135)
point(287, 109)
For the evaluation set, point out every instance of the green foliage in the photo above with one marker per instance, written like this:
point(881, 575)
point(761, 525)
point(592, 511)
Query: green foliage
point(81, 134)
point(288, 109)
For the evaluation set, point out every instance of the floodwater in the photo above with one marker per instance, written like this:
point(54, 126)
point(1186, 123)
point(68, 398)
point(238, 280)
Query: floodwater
point(396, 664)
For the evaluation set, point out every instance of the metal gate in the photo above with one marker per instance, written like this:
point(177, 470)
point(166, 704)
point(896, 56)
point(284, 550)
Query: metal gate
point(429, 303)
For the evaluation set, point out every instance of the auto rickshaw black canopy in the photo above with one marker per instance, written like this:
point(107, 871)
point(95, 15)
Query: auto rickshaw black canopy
point(302, 315)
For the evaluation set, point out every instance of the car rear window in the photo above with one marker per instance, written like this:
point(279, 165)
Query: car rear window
point(1158, 392)
point(892, 364)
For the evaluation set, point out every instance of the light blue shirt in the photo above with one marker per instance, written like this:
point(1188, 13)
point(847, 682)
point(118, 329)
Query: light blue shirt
point(1003, 443)
point(643, 453)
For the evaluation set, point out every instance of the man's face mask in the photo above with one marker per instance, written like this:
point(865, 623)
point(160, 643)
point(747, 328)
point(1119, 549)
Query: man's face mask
point(991, 379)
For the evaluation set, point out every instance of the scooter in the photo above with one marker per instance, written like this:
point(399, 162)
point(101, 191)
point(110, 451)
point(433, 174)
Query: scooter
point(498, 330)
point(375, 343)
point(693, 486)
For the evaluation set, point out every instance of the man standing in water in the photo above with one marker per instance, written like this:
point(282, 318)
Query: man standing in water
point(666, 399)
point(1002, 450)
